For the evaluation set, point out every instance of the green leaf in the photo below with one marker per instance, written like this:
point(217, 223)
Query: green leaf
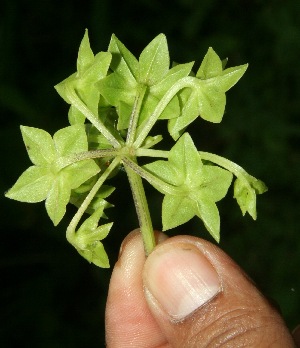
point(165, 171)
point(124, 111)
point(121, 85)
point(75, 116)
point(79, 172)
point(70, 140)
point(230, 77)
point(176, 73)
point(208, 212)
point(39, 145)
point(213, 103)
point(123, 62)
point(85, 55)
point(211, 65)
point(61, 87)
point(96, 140)
point(151, 141)
point(58, 198)
point(95, 72)
point(190, 112)
point(84, 84)
point(195, 187)
point(176, 210)
point(86, 186)
point(172, 109)
point(224, 63)
point(154, 61)
point(32, 186)
point(216, 182)
point(184, 157)
point(116, 88)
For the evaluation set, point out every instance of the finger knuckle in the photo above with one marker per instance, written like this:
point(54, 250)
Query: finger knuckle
point(238, 328)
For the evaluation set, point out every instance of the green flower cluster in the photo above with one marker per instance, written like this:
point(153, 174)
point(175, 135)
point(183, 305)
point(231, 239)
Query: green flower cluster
point(115, 100)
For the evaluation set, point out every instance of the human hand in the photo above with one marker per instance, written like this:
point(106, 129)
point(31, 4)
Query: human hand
point(187, 293)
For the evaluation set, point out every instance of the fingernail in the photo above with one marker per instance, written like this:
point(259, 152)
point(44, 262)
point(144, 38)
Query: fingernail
point(180, 279)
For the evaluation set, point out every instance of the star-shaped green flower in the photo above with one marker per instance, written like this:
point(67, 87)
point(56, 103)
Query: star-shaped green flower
point(129, 75)
point(195, 187)
point(90, 69)
point(45, 180)
point(87, 239)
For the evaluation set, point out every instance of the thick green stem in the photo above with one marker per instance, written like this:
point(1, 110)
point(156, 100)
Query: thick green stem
point(152, 153)
point(63, 162)
point(135, 114)
point(142, 209)
point(153, 180)
point(188, 81)
point(225, 163)
point(235, 169)
point(78, 103)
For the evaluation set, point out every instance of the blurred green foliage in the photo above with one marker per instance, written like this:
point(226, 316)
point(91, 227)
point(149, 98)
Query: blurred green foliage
point(50, 296)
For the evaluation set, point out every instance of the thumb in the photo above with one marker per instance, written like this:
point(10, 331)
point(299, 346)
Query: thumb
point(201, 298)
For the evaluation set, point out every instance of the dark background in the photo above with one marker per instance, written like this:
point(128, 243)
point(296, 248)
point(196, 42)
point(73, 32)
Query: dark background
point(50, 296)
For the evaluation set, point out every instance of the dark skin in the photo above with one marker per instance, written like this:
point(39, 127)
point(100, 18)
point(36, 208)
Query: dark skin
point(145, 306)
